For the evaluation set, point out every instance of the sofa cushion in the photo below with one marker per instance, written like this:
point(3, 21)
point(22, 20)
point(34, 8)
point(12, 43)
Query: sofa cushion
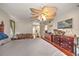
point(3, 36)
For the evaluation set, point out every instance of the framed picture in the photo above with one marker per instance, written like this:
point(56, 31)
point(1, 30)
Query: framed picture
point(12, 25)
point(65, 24)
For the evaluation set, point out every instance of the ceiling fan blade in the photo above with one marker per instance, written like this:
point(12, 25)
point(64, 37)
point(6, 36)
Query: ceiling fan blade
point(36, 14)
point(34, 18)
point(35, 10)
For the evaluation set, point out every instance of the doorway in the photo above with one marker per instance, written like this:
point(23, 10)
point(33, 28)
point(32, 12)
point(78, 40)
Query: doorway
point(36, 31)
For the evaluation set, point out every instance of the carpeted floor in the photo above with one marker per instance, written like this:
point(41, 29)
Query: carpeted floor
point(29, 47)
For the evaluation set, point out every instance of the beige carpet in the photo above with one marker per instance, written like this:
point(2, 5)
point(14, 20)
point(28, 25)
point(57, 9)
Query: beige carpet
point(29, 47)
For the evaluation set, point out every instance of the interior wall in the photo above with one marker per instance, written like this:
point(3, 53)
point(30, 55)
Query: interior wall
point(23, 27)
point(74, 14)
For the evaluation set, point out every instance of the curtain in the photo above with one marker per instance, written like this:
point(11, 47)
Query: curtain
point(12, 26)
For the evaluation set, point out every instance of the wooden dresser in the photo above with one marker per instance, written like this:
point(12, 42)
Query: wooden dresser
point(64, 43)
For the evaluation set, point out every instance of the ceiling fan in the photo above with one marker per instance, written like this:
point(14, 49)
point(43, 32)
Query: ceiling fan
point(44, 13)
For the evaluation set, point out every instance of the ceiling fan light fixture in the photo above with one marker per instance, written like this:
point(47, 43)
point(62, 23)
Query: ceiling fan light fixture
point(42, 18)
point(44, 13)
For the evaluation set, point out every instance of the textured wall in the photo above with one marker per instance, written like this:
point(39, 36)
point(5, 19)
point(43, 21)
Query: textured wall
point(74, 14)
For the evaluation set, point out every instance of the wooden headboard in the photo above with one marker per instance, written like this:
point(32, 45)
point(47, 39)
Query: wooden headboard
point(2, 27)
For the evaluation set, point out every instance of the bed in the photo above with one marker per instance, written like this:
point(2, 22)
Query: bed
point(31, 47)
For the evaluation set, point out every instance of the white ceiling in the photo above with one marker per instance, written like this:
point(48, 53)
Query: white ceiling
point(21, 11)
